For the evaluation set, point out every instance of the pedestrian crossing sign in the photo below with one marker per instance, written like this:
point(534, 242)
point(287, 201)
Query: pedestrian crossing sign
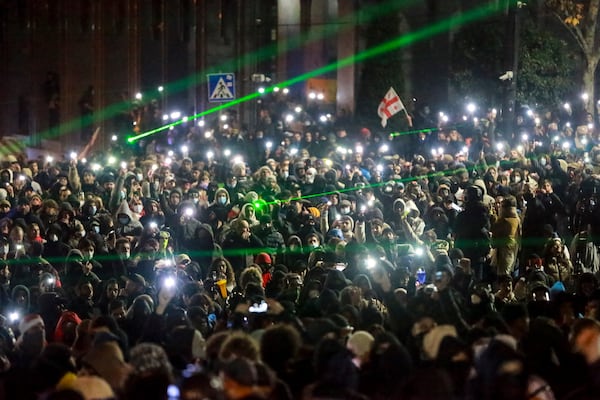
point(221, 87)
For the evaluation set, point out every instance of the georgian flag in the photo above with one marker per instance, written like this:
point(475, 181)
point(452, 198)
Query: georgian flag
point(390, 105)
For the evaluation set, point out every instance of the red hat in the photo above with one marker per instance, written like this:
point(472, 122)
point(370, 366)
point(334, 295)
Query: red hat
point(263, 258)
point(28, 322)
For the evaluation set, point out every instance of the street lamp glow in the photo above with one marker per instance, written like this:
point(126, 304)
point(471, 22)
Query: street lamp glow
point(268, 145)
point(520, 148)
point(585, 96)
point(590, 126)
point(568, 124)
point(567, 106)
point(113, 138)
point(207, 134)
point(323, 118)
point(175, 115)
point(201, 123)
point(261, 90)
point(312, 95)
point(73, 155)
point(160, 89)
point(445, 118)
point(225, 126)
point(210, 154)
point(285, 90)
point(276, 89)
point(184, 149)
point(138, 96)
point(433, 152)
point(359, 149)
point(111, 160)
point(499, 146)
point(226, 152)
point(168, 161)
point(293, 151)
point(384, 148)
point(320, 96)
point(49, 159)
point(223, 117)
point(525, 137)
point(170, 153)
point(298, 109)
point(471, 107)
point(289, 118)
point(238, 159)
point(165, 117)
point(465, 118)
point(96, 167)
point(184, 119)
point(440, 150)
point(537, 120)
point(530, 113)
point(566, 145)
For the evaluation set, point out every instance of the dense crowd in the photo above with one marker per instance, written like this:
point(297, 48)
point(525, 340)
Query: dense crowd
point(447, 263)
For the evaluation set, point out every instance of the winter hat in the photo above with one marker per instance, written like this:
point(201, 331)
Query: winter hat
point(360, 343)
point(335, 233)
point(250, 197)
point(149, 357)
point(433, 339)
point(108, 361)
point(30, 321)
point(263, 258)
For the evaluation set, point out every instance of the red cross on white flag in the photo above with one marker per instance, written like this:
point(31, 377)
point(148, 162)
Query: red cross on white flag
point(390, 105)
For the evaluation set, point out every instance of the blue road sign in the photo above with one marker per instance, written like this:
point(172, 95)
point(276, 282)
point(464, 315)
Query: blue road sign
point(221, 87)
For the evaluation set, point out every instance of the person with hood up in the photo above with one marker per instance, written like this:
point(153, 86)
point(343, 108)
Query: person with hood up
point(220, 207)
point(471, 229)
point(506, 236)
point(152, 213)
point(126, 225)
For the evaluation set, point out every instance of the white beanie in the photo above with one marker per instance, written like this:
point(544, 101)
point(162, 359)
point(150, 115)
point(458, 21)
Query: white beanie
point(360, 343)
point(433, 339)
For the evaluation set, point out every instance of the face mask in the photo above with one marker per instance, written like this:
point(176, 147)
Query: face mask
point(310, 178)
point(87, 254)
point(138, 208)
point(195, 200)
point(222, 200)
point(123, 220)
point(96, 229)
point(232, 184)
point(345, 210)
point(284, 174)
point(517, 179)
point(543, 161)
point(139, 177)
point(4, 249)
point(53, 238)
point(93, 210)
point(314, 245)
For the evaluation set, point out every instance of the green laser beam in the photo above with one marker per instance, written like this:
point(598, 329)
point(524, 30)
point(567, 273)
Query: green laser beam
point(403, 41)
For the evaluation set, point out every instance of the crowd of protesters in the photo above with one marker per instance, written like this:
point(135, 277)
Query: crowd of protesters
point(451, 263)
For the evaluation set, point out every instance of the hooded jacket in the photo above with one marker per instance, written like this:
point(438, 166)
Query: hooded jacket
point(132, 227)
